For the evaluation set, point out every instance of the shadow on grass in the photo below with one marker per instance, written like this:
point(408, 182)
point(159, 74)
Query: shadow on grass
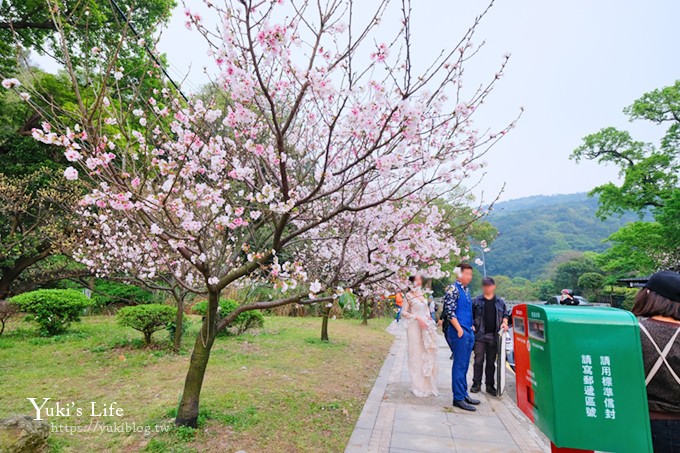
point(162, 347)
point(177, 437)
point(99, 342)
point(21, 335)
point(325, 344)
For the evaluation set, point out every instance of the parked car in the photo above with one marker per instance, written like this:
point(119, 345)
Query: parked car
point(510, 349)
point(555, 300)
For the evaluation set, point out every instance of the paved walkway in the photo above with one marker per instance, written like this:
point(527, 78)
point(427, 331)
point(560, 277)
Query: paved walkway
point(394, 421)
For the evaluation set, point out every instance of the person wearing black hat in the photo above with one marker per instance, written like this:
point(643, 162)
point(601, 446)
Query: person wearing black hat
point(490, 315)
point(658, 306)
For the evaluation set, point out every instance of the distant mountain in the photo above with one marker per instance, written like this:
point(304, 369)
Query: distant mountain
point(533, 231)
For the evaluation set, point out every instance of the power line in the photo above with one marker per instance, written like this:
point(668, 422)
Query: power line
point(151, 54)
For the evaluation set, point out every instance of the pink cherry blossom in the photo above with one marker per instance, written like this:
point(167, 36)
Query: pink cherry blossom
point(10, 83)
point(71, 173)
point(315, 287)
point(72, 155)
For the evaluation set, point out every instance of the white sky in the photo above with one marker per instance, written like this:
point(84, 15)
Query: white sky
point(575, 64)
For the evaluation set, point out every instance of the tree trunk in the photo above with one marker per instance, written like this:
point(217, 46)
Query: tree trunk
point(364, 316)
point(187, 414)
point(4, 288)
point(179, 323)
point(147, 338)
point(324, 324)
point(2, 326)
point(9, 275)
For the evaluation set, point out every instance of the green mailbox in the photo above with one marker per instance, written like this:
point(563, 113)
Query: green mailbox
point(580, 377)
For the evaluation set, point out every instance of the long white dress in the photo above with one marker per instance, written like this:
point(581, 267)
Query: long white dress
point(422, 345)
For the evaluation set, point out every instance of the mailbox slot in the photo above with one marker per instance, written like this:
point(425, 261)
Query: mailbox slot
point(518, 326)
point(537, 330)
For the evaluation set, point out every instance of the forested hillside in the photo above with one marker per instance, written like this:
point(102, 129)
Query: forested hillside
point(534, 232)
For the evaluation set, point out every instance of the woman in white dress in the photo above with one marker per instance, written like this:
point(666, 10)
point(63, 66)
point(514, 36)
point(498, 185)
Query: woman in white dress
point(421, 334)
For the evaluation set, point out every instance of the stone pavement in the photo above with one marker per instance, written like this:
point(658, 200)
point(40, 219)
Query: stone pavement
point(394, 420)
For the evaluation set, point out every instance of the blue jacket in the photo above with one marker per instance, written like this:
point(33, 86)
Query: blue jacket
point(458, 304)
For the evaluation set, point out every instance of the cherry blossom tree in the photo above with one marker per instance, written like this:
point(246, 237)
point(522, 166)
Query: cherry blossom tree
point(374, 251)
point(114, 247)
point(315, 165)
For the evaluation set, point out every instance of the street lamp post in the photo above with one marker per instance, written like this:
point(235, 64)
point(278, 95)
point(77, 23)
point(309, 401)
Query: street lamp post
point(482, 248)
point(483, 261)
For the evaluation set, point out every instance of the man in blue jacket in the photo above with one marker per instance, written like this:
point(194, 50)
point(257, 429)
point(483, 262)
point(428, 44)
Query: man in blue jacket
point(490, 315)
point(457, 324)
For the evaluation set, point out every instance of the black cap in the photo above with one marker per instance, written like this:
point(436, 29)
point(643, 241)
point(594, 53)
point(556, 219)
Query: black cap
point(488, 281)
point(666, 284)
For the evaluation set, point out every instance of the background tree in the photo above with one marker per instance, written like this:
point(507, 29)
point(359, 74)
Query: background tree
point(650, 182)
point(567, 274)
point(36, 231)
point(470, 226)
point(516, 289)
point(374, 252)
point(34, 224)
point(29, 26)
point(544, 289)
point(636, 248)
point(35, 207)
point(591, 283)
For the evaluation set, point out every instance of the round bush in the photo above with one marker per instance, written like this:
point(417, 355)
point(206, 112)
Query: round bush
point(53, 309)
point(147, 318)
point(243, 322)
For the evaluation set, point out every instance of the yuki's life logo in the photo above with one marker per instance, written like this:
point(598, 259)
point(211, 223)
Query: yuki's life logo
point(59, 409)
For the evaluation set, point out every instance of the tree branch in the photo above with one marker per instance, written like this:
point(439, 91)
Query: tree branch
point(25, 25)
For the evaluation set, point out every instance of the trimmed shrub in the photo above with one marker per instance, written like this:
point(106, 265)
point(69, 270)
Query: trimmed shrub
point(247, 320)
point(243, 322)
point(7, 309)
point(53, 309)
point(148, 318)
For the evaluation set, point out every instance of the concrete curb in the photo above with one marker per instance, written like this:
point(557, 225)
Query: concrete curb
point(363, 429)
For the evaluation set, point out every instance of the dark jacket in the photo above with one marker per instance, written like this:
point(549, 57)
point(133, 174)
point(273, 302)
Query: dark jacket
point(478, 314)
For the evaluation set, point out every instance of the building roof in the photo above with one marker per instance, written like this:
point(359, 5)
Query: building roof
point(635, 282)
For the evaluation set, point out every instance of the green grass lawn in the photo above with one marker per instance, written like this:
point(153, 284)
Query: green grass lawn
point(279, 389)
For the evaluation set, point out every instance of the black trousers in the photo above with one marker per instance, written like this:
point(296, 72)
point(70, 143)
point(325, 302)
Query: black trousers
point(666, 436)
point(486, 349)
